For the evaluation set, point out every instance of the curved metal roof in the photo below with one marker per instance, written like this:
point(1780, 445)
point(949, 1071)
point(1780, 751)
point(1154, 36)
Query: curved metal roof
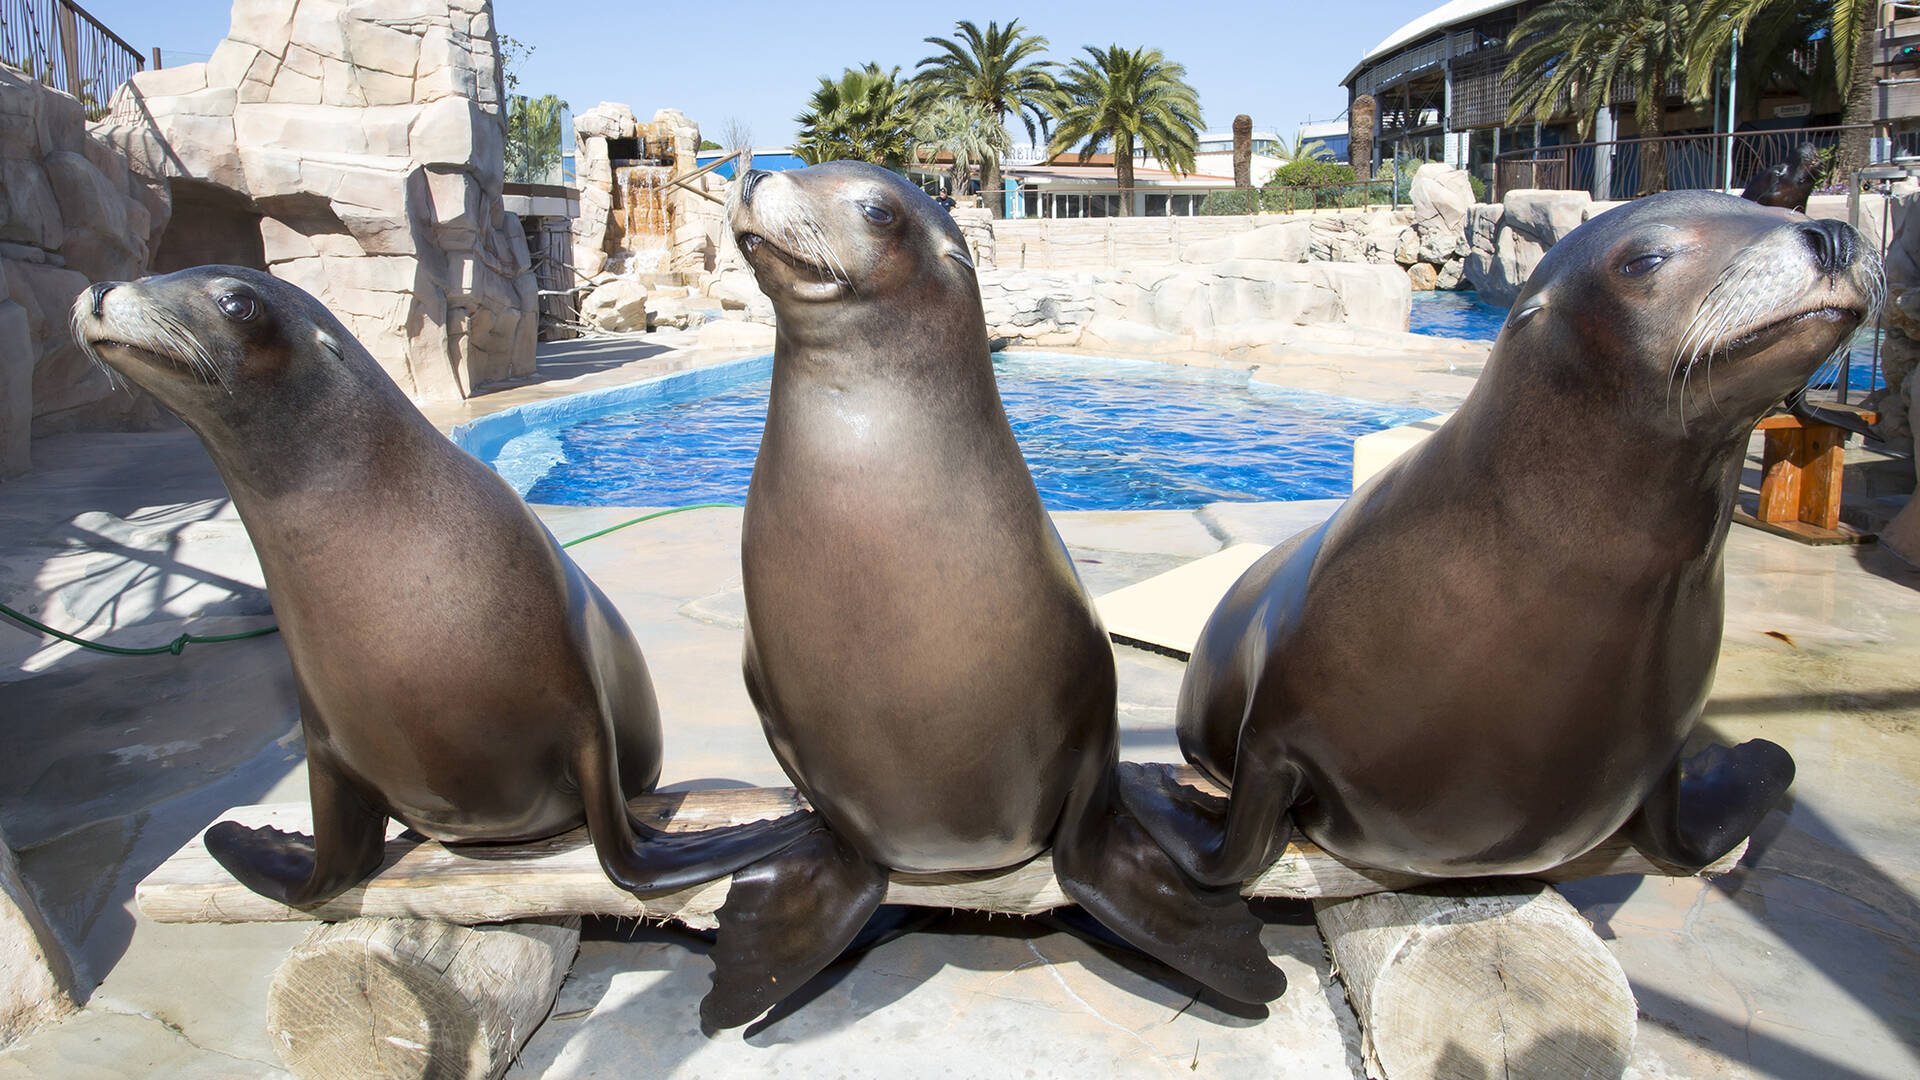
point(1447, 14)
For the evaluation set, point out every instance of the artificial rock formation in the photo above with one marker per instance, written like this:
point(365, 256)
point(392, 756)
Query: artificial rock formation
point(71, 213)
point(354, 149)
point(632, 217)
point(1176, 309)
point(1899, 399)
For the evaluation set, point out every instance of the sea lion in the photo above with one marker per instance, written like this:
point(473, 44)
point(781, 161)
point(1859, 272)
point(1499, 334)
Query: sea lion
point(1488, 660)
point(927, 666)
point(1787, 184)
point(456, 671)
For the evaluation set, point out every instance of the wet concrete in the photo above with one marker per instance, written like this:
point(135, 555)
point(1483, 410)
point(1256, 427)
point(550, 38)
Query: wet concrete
point(1802, 963)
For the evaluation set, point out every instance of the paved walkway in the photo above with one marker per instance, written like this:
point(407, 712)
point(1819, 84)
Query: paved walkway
point(1800, 964)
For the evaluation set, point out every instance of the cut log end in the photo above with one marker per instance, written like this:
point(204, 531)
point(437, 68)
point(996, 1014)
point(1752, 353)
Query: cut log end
point(1478, 980)
point(415, 998)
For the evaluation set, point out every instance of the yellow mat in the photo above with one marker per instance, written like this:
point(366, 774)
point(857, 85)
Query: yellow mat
point(1169, 610)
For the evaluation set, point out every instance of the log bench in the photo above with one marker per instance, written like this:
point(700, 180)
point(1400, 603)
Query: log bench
point(444, 961)
point(1801, 466)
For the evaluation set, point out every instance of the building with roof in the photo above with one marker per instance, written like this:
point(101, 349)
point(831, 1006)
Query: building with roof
point(1433, 89)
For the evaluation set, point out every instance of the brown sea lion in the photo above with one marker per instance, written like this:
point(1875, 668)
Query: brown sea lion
point(1489, 659)
point(928, 668)
point(1787, 184)
point(456, 671)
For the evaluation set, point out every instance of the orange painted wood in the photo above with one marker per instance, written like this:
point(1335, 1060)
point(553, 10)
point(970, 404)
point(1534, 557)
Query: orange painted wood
point(1781, 473)
point(1820, 477)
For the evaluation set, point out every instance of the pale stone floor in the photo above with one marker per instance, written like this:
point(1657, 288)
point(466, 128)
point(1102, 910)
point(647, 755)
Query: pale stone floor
point(1802, 963)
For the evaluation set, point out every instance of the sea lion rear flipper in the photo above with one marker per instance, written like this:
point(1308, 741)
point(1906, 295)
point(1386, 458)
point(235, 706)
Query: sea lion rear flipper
point(349, 838)
point(1217, 842)
point(1110, 865)
point(647, 862)
point(785, 918)
point(1706, 804)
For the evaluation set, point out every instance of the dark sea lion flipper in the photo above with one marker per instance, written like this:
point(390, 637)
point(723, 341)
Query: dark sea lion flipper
point(647, 862)
point(1217, 842)
point(785, 918)
point(1706, 804)
point(1109, 864)
point(349, 838)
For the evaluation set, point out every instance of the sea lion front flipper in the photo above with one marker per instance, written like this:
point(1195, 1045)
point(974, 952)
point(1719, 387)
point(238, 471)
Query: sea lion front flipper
point(647, 862)
point(1109, 864)
point(1217, 842)
point(785, 918)
point(1706, 804)
point(348, 841)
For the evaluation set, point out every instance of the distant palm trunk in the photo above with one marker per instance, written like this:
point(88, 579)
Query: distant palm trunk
point(1360, 117)
point(1243, 151)
point(1854, 143)
point(1653, 155)
point(1123, 171)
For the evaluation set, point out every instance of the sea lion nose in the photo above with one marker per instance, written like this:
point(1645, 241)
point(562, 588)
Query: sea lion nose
point(748, 182)
point(1834, 244)
point(100, 292)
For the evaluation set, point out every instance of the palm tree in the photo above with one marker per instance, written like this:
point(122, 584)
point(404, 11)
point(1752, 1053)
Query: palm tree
point(863, 116)
point(967, 132)
point(1302, 147)
point(1769, 29)
point(993, 71)
point(1127, 98)
point(1572, 53)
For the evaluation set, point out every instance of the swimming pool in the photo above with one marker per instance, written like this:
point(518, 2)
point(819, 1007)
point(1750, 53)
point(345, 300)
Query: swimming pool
point(1098, 434)
point(1460, 314)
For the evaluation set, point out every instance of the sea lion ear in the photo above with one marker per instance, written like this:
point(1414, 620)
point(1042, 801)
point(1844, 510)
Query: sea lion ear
point(330, 343)
point(960, 256)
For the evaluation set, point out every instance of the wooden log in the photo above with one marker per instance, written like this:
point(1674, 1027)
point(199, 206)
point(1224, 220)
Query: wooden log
point(416, 998)
point(560, 876)
point(1478, 979)
point(36, 977)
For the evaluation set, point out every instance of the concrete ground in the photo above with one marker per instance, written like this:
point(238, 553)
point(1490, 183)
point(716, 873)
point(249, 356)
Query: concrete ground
point(1801, 963)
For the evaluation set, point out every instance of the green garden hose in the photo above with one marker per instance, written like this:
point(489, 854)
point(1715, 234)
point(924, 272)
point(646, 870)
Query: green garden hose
point(179, 644)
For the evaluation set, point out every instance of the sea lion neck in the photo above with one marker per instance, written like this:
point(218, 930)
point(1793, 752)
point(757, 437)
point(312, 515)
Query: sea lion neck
point(355, 410)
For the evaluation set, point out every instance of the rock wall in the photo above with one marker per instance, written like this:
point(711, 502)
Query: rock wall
point(1427, 238)
point(71, 213)
point(1173, 309)
point(363, 143)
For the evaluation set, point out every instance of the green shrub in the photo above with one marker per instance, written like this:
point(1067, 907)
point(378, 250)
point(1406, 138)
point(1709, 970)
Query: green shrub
point(1228, 202)
point(1311, 172)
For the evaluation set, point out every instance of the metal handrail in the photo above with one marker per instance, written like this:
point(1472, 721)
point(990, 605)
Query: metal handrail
point(1352, 195)
point(57, 42)
point(1688, 161)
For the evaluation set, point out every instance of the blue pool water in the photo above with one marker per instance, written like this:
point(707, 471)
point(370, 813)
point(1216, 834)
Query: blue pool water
point(1098, 435)
point(1462, 315)
point(1443, 313)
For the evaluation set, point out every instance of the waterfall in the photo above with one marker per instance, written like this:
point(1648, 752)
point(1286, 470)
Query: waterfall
point(640, 209)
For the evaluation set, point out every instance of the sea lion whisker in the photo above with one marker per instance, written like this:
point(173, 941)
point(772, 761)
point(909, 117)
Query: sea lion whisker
point(93, 354)
point(181, 341)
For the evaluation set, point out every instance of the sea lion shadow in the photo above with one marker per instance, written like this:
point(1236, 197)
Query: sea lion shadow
point(1811, 891)
point(1000, 944)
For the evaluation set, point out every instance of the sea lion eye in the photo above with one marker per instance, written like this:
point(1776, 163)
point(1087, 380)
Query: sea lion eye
point(238, 306)
point(1643, 264)
point(876, 213)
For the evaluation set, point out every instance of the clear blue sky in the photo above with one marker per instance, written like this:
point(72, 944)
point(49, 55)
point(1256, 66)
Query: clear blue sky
point(1279, 62)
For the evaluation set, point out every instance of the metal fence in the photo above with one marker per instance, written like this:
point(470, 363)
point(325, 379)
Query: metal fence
point(1104, 202)
point(59, 44)
point(1620, 169)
